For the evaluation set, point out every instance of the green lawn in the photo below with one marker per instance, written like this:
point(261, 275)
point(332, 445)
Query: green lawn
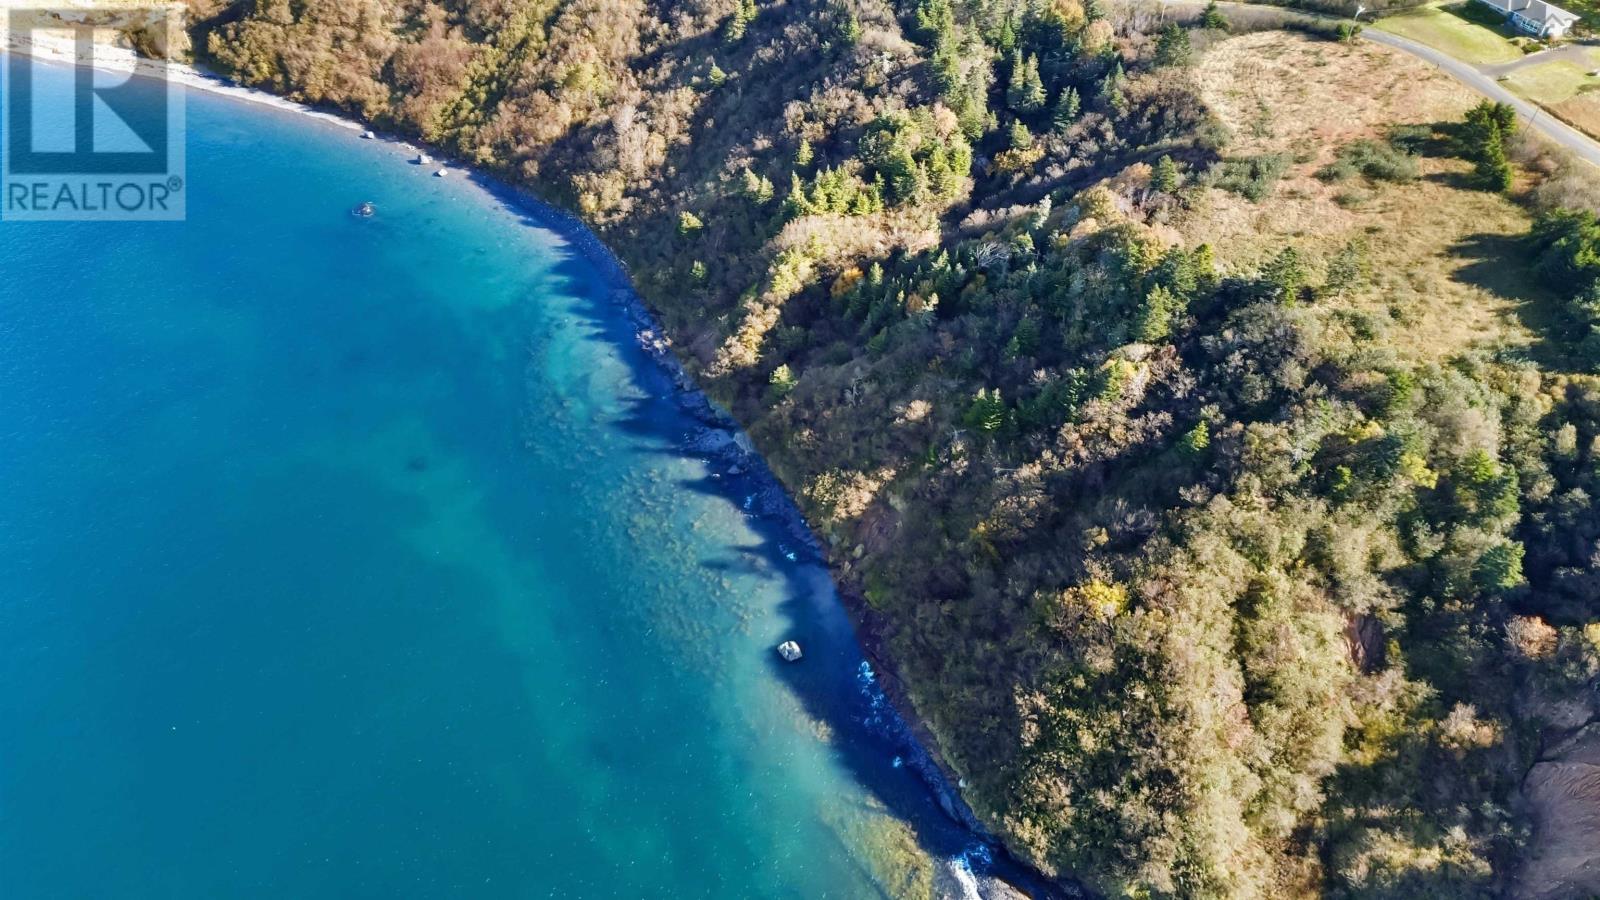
point(1443, 29)
point(1550, 82)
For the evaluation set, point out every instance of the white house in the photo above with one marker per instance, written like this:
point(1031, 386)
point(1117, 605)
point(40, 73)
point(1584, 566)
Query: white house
point(1535, 17)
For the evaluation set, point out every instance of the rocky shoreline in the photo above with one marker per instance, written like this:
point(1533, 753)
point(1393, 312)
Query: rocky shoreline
point(722, 442)
point(728, 450)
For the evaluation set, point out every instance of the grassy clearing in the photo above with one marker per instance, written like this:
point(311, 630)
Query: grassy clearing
point(1450, 30)
point(1565, 88)
point(1445, 274)
point(1551, 82)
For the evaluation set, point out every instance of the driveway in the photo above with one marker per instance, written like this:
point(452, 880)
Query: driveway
point(1577, 54)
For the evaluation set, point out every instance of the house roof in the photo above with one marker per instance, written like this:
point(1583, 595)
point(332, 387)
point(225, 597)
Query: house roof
point(1536, 11)
point(1543, 13)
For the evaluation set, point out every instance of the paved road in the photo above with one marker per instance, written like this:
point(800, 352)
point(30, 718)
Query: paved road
point(1581, 145)
point(1556, 130)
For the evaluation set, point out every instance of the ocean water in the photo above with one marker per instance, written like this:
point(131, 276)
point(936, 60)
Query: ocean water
point(349, 557)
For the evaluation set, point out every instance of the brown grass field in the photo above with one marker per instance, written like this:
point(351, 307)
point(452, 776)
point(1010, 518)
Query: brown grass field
point(1447, 275)
point(1581, 112)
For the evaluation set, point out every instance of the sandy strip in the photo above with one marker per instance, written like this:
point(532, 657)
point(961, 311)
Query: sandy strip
point(110, 58)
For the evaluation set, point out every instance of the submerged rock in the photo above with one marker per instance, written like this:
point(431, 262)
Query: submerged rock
point(716, 442)
point(992, 888)
point(364, 211)
point(790, 651)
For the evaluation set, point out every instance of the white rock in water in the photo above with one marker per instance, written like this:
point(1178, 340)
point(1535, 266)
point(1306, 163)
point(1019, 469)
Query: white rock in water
point(790, 651)
point(423, 159)
point(441, 173)
point(367, 135)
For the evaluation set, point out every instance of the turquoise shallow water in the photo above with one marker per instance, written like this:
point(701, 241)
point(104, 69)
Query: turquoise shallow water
point(362, 558)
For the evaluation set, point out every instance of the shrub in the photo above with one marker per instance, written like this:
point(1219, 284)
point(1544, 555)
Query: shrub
point(1410, 138)
point(781, 382)
point(1375, 160)
point(1529, 637)
point(1252, 177)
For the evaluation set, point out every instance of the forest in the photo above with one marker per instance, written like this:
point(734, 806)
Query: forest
point(1200, 584)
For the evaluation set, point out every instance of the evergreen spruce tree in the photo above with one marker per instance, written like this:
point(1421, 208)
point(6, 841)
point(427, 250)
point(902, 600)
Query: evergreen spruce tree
point(1067, 107)
point(960, 160)
point(1032, 97)
point(1283, 276)
point(987, 412)
point(1006, 39)
point(743, 15)
point(973, 106)
point(1493, 168)
point(1111, 88)
point(1017, 85)
point(1489, 125)
point(850, 29)
point(1166, 175)
point(940, 179)
point(1156, 315)
point(757, 187)
point(797, 203)
point(935, 22)
point(1172, 47)
point(1203, 263)
point(1020, 137)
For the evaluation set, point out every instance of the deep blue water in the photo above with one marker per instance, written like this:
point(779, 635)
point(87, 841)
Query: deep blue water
point(363, 558)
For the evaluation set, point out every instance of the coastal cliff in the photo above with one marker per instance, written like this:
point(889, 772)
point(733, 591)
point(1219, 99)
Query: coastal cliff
point(1208, 499)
